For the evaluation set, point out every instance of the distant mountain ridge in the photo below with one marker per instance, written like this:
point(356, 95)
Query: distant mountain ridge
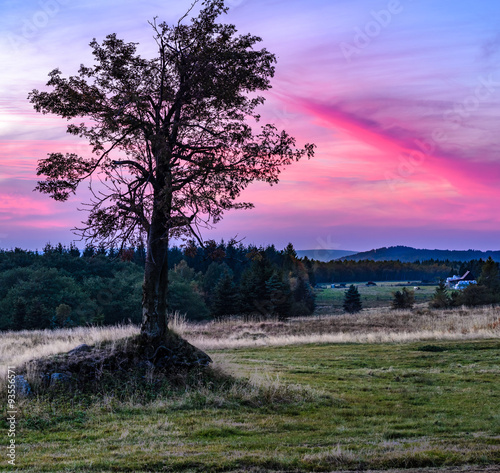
point(324, 255)
point(407, 254)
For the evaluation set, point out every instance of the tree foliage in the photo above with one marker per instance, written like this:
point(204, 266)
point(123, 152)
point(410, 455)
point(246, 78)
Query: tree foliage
point(489, 276)
point(226, 300)
point(440, 298)
point(63, 288)
point(170, 137)
point(352, 300)
point(404, 299)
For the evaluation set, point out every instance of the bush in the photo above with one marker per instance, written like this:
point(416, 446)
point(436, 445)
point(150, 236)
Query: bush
point(474, 295)
point(403, 299)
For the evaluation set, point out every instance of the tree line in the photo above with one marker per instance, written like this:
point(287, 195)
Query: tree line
point(65, 287)
point(338, 271)
point(484, 291)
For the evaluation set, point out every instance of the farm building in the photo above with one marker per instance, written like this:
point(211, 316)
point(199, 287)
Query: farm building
point(460, 282)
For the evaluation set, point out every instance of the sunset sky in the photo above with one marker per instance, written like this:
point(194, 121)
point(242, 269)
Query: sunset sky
point(401, 97)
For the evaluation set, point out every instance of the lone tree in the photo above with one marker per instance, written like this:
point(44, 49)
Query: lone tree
point(352, 300)
point(441, 298)
point(169, 137)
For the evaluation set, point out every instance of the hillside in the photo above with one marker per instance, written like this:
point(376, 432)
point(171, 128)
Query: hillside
point(408, 254)
point(324, 255)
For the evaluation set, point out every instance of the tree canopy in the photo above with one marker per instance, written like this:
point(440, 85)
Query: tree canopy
point(170, 137)
point(170, 134)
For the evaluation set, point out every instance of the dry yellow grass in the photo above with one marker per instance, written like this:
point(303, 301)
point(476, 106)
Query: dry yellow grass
point(16, 348)
point(369, 326)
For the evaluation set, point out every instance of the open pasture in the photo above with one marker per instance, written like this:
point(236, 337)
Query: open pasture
point(295, 407)
point(330, 299)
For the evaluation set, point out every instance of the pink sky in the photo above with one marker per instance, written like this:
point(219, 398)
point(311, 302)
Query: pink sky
point(406, 120)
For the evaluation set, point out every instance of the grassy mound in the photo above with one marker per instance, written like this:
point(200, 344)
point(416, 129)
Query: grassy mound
point(115, 365)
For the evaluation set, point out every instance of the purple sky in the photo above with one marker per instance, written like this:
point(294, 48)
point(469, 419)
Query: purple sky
point(401, 97)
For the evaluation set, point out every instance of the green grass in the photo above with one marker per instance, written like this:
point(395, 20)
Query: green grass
point(374, 296)
point(426, 404)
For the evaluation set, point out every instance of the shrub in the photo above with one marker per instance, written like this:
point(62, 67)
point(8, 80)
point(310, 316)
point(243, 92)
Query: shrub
point(475, 294)
point(403, 299)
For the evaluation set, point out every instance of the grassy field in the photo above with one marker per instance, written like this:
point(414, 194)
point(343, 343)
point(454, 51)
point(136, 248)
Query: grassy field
point(331, 299)
point(307, 407)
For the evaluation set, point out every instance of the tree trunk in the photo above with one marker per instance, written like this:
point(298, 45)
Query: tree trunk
point(155, 286)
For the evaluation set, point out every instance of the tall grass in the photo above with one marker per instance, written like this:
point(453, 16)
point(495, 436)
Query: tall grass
point(369, 326)
point(16, 348)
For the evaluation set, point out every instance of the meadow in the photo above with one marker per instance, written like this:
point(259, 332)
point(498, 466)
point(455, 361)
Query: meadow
point(378, 390)
point(330, 299)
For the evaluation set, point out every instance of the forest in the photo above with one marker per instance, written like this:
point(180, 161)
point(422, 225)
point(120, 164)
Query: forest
point(63, 286)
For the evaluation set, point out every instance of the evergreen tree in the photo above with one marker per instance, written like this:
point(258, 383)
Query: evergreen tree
point(280, 296)
point(89, 251)
point(403, 299)
point(226, 297)
point(211, 277)
point(289, 258)
point(441, 298)
point(73, 250)
point(36, 318)
point(474, 295)
point(303, 294)
point(253, 289)
point(489, 275)
point(352, 300)
point(19, 314)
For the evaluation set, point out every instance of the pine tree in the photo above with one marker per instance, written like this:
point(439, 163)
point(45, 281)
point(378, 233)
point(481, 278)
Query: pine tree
point(19, 314)
point(489, 275)
point(304, 294)
point(280, 296)
point(253, 289)
point(226, 297)
point(36, 316)
point(441, 298)
point(352, 300)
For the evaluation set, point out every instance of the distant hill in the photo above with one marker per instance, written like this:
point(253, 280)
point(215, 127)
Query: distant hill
point(324, 255)
point(406, 254)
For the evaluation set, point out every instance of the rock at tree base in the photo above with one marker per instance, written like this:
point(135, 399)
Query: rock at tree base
point(59, 378)
point(80, 349)
point(23, 388)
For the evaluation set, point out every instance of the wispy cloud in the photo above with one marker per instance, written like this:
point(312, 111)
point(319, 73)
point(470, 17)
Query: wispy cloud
point(406, 127)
